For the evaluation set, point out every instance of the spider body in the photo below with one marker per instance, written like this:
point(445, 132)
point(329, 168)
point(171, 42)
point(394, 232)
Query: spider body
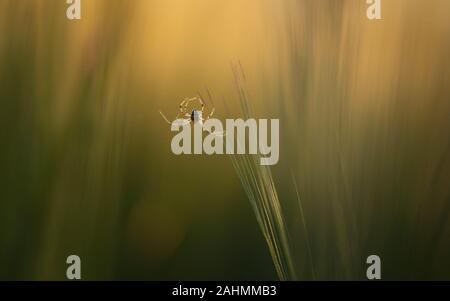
point(197, 117)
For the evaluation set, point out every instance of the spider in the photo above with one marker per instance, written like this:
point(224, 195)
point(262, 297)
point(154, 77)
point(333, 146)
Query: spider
point(195, 116)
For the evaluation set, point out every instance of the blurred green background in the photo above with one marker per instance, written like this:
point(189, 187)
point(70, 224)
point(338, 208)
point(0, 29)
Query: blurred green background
point(85, 160)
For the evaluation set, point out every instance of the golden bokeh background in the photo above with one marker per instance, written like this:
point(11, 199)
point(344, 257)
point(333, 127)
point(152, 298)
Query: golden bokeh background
point(86, 166)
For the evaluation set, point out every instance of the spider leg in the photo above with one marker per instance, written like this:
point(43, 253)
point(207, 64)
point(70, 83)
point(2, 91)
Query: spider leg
point(165, 118)
point(182, 108)
point(211, 113)
point(187, 101)
point(185, 121)
point(202, 103)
